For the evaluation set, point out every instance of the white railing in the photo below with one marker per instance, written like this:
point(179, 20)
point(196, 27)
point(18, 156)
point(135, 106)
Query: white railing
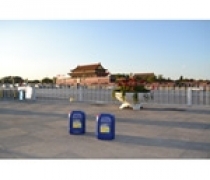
point(164, 95)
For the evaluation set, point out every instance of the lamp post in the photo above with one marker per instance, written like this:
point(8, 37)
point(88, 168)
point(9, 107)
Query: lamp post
point(13, 81)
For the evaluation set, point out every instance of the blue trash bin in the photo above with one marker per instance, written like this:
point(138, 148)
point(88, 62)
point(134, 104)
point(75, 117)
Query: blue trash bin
point(21, 95)
point(105, 126)
point(77, 123)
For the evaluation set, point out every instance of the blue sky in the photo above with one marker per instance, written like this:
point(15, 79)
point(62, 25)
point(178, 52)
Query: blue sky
point(36, 49)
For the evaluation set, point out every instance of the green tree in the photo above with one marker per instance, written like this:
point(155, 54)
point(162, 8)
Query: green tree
point(160, 78)
point(47, 80)
point(151, 79)
point(34, 81)
point(181, 78)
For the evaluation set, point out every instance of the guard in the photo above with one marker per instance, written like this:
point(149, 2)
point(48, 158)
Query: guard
point(77, 122)
point(105, 126)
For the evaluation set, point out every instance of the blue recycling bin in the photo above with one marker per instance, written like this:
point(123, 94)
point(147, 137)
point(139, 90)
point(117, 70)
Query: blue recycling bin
point(21, 95)
point(77, 124)
point(105, 126)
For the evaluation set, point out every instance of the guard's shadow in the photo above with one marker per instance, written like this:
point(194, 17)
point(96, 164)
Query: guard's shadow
point(159, 142)
point(163, 109)
point(184, 110)
point(171, 123)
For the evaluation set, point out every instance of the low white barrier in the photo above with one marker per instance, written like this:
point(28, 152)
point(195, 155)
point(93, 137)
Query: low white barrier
point(189, 95)
point(29, 92)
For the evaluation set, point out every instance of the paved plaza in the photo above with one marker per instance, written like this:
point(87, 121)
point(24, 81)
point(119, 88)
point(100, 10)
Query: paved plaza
point(39, 130)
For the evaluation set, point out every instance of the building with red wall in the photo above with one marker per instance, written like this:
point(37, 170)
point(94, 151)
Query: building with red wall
point(90, 74)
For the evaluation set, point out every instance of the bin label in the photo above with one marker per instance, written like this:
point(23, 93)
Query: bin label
point(77, 124)
point(104, 128)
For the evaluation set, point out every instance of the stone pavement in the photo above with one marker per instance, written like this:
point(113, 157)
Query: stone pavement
point(39, 130)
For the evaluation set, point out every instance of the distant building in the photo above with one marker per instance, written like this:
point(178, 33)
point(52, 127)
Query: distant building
point(90, 74)
point(91, 70)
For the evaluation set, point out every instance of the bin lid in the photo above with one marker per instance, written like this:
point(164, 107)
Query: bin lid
point(105, 117)
point(77, 114)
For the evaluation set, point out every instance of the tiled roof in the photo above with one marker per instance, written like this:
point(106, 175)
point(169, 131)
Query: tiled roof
point(87, 67)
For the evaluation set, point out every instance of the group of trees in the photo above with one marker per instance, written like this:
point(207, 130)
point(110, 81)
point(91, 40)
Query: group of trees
point(45, 80)
point(12, 80)
point(20, 80)
point(148, 79)
point(181, 80)
point(160, 79)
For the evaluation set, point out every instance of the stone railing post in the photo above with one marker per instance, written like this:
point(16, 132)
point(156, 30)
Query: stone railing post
point(80, 93)
point(208, 95)
point(189, 96)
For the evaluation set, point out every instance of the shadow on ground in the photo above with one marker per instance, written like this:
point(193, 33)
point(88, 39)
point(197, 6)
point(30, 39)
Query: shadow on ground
point(193, 111)
point(176, 124)
point(169, 143)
